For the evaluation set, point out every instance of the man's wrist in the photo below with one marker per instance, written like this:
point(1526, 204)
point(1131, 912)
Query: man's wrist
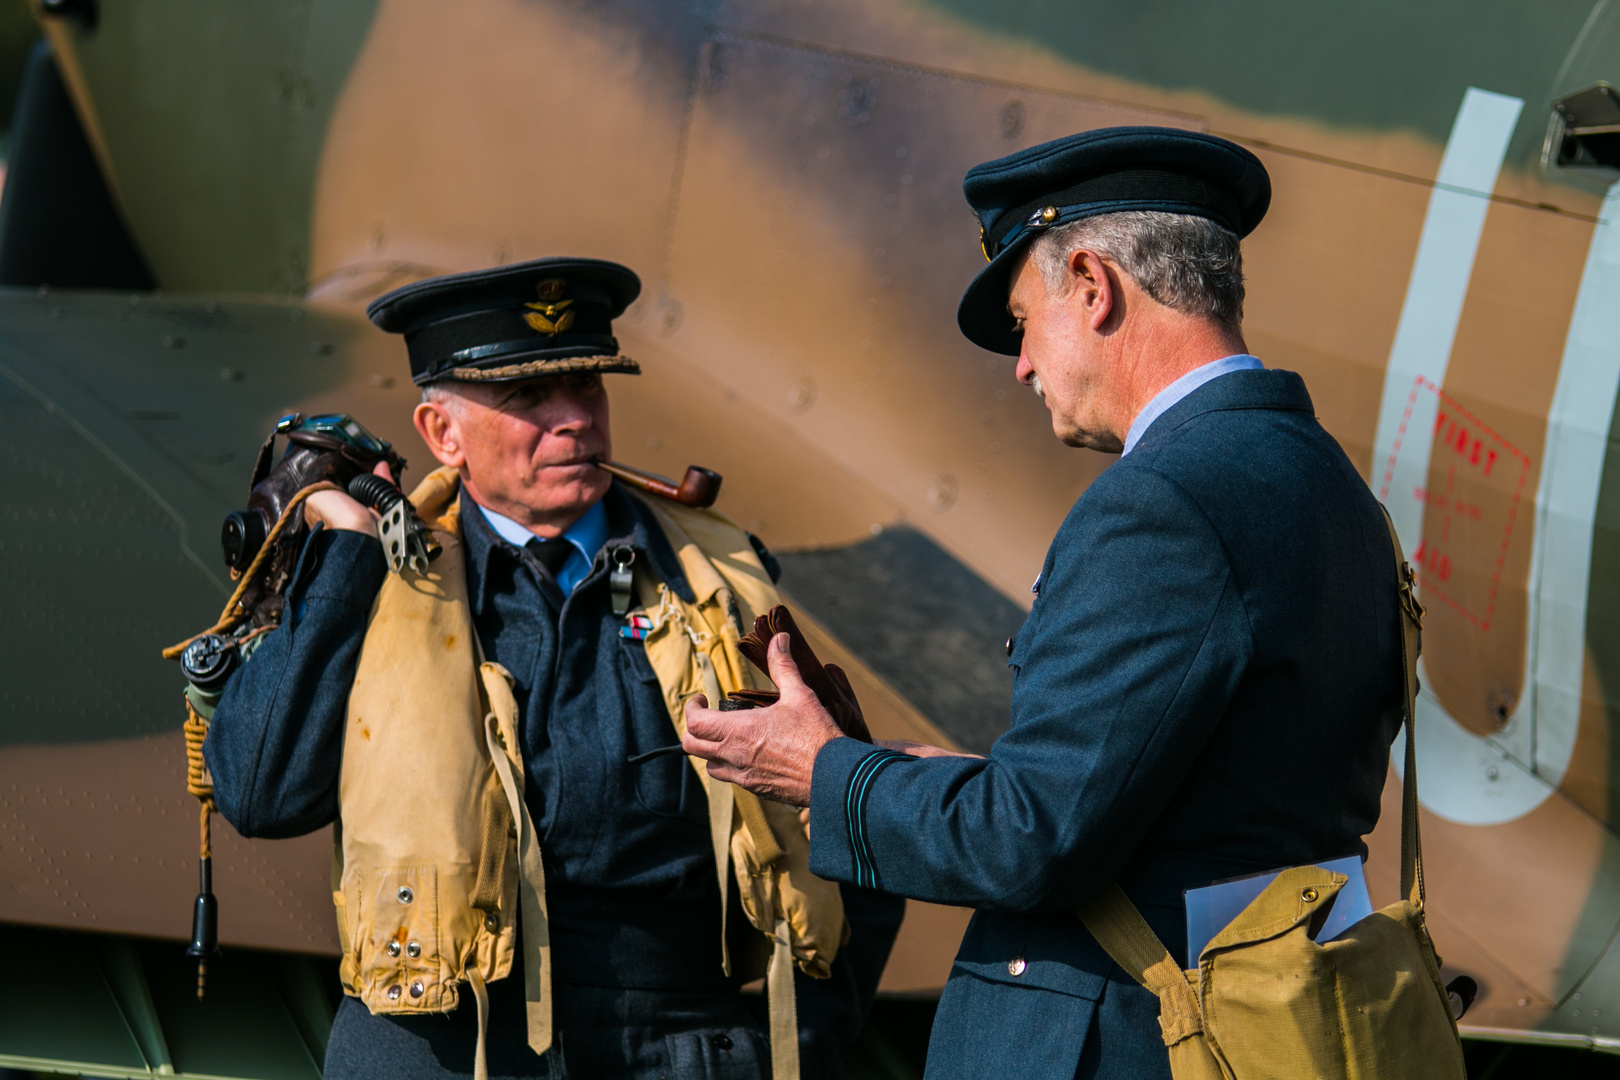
point(340, 564)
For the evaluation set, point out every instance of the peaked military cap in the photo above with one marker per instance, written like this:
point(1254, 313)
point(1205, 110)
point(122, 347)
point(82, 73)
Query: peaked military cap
point(1020, 196)
point(525, 321)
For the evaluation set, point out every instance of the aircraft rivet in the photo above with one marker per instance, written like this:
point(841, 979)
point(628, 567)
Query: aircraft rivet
point(416, 989)
point(413, 950)
point(405, 894)
point(393, 993)
point(393, 948)
point(1491, 773)
point(1309, 896)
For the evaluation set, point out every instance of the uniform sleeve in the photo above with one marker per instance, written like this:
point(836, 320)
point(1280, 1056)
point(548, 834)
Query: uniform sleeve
point(276, 741)
point(1126, 664)
point(832, 1010)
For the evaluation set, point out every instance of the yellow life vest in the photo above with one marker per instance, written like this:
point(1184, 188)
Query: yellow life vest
point(436, 853)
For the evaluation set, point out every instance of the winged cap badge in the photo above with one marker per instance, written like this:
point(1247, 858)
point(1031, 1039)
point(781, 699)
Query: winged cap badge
point(551, 315)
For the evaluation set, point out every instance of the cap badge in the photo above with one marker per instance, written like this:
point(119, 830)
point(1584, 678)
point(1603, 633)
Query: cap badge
point(550, 316)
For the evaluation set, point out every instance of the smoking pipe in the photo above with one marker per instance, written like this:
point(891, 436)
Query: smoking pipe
point(697, 489)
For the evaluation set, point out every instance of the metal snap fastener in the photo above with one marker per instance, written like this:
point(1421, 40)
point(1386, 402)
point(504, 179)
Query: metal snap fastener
point(393, 948)
point(491, 923)
point(1309, 896)
point(405, 894)
point(721, 1040)
point(414, 949)
point(393, 993)
point(416, 989)
point(1016, 966)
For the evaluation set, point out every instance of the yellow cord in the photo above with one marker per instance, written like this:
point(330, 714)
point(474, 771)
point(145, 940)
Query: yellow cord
point(232, 613)
point(198, 782)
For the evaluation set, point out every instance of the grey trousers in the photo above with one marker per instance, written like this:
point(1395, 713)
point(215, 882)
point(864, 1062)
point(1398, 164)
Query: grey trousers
point(602, 1033)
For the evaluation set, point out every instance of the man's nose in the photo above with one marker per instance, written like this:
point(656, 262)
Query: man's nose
point(1025, 371)
point(569, 413)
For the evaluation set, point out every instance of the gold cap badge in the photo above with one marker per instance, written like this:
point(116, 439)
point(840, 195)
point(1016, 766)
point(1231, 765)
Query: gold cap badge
point(550, 316)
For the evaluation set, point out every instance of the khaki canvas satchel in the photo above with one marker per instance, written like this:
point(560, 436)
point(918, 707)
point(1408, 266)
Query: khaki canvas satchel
point(1267, 1001)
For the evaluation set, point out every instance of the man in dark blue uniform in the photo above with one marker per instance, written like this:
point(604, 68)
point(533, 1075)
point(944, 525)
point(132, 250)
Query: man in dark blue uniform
point(1208, 682)
point(634, 905)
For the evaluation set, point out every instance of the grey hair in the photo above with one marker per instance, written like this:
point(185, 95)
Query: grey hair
point(1186, 263)
point(442, 393)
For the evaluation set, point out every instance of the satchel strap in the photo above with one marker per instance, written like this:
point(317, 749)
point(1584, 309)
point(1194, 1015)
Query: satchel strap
point(1127, 938)
point(1411, 645)
point(1122, 932)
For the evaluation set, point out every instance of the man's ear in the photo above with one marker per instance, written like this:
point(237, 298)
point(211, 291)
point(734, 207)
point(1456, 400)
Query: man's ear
point(436, 424)
point(1095, 288)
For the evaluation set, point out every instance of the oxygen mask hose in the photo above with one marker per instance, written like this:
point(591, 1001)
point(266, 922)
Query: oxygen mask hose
point(407, 544)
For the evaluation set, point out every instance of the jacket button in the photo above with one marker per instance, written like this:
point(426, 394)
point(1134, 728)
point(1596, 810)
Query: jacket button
point(1309, 896)
point(1016, 966)
point(413, 950)
point(393, 948)
point(393, 993)
point(405, 895)
point(721, 1040)
point(491, 923)
point(416, 989)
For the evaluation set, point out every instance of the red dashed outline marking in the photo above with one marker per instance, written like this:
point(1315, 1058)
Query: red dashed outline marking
point(1431, 587)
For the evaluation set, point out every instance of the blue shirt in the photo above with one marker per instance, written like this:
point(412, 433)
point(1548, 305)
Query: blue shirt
point(1179, 389)
point(587, 535)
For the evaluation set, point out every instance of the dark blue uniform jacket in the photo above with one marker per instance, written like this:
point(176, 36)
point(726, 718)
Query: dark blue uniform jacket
point(630, 877)
point(1207, 686)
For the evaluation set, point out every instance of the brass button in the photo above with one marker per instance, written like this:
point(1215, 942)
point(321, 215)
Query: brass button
point(1016, 966)
point(413, 950)
point(393, 993)
point(1049, 214)
point(1309, 896)
point(405, 895)
point(416, 989)
point(393, 948)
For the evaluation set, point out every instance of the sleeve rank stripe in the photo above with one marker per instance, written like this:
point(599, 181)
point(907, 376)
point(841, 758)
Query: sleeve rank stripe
point(860, 786)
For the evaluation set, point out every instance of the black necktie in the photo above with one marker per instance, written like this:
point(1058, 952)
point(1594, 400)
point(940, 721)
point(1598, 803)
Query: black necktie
point(553, 553)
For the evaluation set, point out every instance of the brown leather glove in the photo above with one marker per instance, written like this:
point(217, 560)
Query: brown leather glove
point(830, 684)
